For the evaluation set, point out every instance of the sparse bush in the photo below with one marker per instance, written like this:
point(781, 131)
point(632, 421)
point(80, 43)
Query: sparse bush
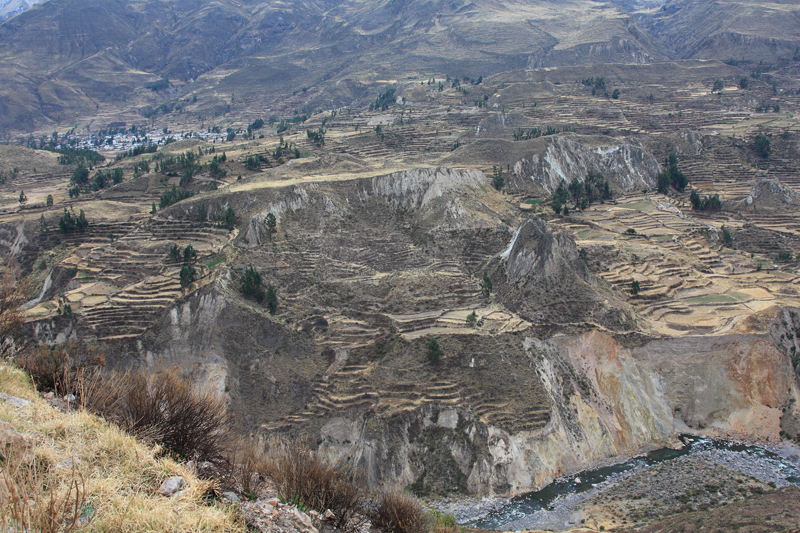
point(64, 369)
point(191, 424)
point(304, 477)
point(12, 296)
point(398, 512)
point(247, 464)
point(472, 320)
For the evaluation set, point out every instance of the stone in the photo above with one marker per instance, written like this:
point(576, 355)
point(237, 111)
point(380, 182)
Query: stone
point(303, 518)
point(179, 494)
point(68, 463)
point(266, 508)
point(231, 496)
point(171, 485)
point(11, 441)
point(13, 400)
point(329, 515)
point(69, 397)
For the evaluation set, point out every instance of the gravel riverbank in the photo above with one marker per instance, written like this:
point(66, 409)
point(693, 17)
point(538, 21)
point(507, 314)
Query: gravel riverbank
point(707, 477)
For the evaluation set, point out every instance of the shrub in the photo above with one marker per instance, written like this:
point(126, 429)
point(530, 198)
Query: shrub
point(727, 238)
point(472, 320)
point(252, 284)
point(398, 512)
point(634, 288)
point(443, 523)
point(486, 285)
point(434, 351)
point(304, 477)
point(189, 423)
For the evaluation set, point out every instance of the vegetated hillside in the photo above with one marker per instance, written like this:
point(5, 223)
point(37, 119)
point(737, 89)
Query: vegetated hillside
point(368, 271)
point(66, 59)
point(762, 33)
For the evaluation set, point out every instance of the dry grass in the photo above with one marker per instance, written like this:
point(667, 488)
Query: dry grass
point(399, 512)
point(120, 474)
point(34, 497)
point(303, 477)
point(165, 408)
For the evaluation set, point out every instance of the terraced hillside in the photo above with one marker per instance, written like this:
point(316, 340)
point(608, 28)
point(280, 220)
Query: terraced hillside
point(432, 219)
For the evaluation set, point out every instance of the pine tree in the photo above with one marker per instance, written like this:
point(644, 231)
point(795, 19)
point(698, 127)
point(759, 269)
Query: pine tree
point(271, 225)
point(272, 299)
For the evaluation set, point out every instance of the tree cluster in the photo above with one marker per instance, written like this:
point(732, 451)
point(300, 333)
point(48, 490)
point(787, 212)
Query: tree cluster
point(709, 203)
point(317, 137)
point(497, 178)
point(762, 145)
point(71, 156)
point(671, 176)
point(69, 222)
point(174, 196)
point(384, 100)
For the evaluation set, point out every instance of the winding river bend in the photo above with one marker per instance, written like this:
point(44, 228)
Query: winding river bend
point(761, 460)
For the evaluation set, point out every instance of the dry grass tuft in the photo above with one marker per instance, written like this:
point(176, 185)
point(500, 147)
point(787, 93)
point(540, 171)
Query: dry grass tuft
point(117, 475)
point(303, 477)
point(398, 512)
point(34, 497)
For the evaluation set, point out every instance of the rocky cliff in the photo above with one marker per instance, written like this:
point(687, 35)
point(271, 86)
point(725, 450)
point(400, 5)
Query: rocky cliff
point(627, 166)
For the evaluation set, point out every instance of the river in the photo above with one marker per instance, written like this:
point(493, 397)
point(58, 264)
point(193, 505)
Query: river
point(764, 463)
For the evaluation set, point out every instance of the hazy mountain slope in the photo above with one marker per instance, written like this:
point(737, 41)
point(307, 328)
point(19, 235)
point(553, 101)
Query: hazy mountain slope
point(762, 30)
point(257, 47)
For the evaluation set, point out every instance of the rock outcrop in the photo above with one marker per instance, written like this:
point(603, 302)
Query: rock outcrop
point(771, 195)
point(627, 166)
point(545, 280)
